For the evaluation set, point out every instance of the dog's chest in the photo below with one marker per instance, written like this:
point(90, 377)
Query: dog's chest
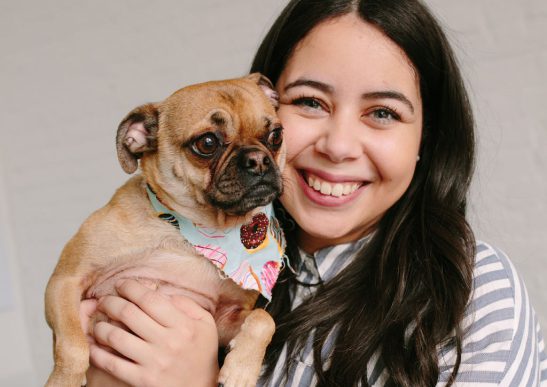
point(250, 254)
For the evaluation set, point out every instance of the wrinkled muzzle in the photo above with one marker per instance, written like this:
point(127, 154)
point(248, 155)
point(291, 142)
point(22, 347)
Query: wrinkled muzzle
point(250, 179)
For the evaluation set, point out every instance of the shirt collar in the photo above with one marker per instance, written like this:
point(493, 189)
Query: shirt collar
point(326, 263)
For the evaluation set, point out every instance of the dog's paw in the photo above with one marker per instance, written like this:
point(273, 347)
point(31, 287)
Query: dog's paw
point(237, 382)
point(239, 371)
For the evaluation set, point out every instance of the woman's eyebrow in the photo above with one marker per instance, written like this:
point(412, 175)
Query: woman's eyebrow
point(390, 95)
point(310, 83)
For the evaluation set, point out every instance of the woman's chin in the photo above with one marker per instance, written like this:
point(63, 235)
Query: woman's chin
point(317, 232)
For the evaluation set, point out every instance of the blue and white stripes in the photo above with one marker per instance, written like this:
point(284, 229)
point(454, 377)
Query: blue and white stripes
point(503, 344)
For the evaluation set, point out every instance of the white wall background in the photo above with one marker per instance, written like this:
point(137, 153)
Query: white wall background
point(71, 69)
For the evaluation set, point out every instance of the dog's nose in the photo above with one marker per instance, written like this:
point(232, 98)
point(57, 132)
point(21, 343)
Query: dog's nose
point(255, 162)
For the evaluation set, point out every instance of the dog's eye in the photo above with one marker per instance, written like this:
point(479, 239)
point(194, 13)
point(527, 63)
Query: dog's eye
point(275, 138)
point(206, 145)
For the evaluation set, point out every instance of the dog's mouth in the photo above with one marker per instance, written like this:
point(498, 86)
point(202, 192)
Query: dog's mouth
point(250, 179)
point(242, 202)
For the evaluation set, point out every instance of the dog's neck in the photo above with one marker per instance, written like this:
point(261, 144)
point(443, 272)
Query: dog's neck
point(199, 212)
point(251, 254)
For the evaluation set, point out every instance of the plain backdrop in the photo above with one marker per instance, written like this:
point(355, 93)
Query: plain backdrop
point(71, 69)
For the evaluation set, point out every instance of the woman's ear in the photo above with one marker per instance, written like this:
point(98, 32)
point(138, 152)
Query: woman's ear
point(137, 133)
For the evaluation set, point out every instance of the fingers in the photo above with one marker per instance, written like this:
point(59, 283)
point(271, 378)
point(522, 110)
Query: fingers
point(87, 309)
point(122, 311)
point(97, 377)
point(125, 343)
point(153, 303)
point(146, 312)
point(190, 307)
point(165, 338)
point(123, 369)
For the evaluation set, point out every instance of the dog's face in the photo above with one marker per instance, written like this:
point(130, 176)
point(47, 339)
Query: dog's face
point(217, 144)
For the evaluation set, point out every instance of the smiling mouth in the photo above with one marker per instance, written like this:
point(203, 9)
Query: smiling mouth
point(330, 188)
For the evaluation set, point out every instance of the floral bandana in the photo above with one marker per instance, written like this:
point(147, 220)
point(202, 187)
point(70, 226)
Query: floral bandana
point(252, 255)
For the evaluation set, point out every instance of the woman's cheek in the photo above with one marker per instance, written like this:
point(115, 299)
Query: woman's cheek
point(299, 132)
point(394, 156)
point(293, 137)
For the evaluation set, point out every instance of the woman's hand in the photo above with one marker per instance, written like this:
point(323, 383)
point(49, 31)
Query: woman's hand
point(154, 340)
point(95, 376)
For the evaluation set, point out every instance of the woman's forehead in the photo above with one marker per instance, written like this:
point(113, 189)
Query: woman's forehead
point(349, 51)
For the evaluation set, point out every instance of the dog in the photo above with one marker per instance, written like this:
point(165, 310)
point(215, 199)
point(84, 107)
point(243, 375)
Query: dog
point(211, 155)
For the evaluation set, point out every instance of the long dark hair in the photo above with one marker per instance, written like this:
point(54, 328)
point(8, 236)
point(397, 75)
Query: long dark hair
point(407, 291)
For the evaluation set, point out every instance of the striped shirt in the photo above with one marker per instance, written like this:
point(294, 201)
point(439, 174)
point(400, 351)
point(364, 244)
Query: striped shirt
point(503, 344)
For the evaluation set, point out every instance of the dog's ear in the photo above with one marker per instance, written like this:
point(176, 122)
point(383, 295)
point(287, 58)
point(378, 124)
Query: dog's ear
point(267, 87)
point(137, 133)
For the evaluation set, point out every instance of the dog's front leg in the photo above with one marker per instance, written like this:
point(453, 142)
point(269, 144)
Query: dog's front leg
point(70, 347)
point(243, 363)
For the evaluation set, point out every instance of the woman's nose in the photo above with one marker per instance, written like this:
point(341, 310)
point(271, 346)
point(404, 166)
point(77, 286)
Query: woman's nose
point(340, 140)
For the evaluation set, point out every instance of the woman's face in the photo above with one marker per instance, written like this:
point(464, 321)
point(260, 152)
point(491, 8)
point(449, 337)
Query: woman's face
point(352, 115)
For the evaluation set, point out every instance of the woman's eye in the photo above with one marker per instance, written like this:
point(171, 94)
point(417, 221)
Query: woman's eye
point(308, 102)
point(385, 115)
point(206, 145)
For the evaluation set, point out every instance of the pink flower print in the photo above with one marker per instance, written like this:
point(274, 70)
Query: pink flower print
point(245, 277)
point(213, 253)
point(269, 274)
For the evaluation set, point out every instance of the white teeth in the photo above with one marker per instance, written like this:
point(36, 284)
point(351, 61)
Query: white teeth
point(326, 188)
point(336, 190)
point(317, 185)
point(347, 189)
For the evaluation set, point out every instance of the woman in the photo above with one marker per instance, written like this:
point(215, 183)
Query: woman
point(387, 285)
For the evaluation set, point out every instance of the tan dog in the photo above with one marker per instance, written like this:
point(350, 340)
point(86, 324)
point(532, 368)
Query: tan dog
point(211, 152)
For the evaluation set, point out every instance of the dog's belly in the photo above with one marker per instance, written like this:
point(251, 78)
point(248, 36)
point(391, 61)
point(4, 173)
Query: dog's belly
point(167, 272)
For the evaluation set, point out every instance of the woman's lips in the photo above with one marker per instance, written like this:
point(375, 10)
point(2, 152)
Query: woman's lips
point(333, 192)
